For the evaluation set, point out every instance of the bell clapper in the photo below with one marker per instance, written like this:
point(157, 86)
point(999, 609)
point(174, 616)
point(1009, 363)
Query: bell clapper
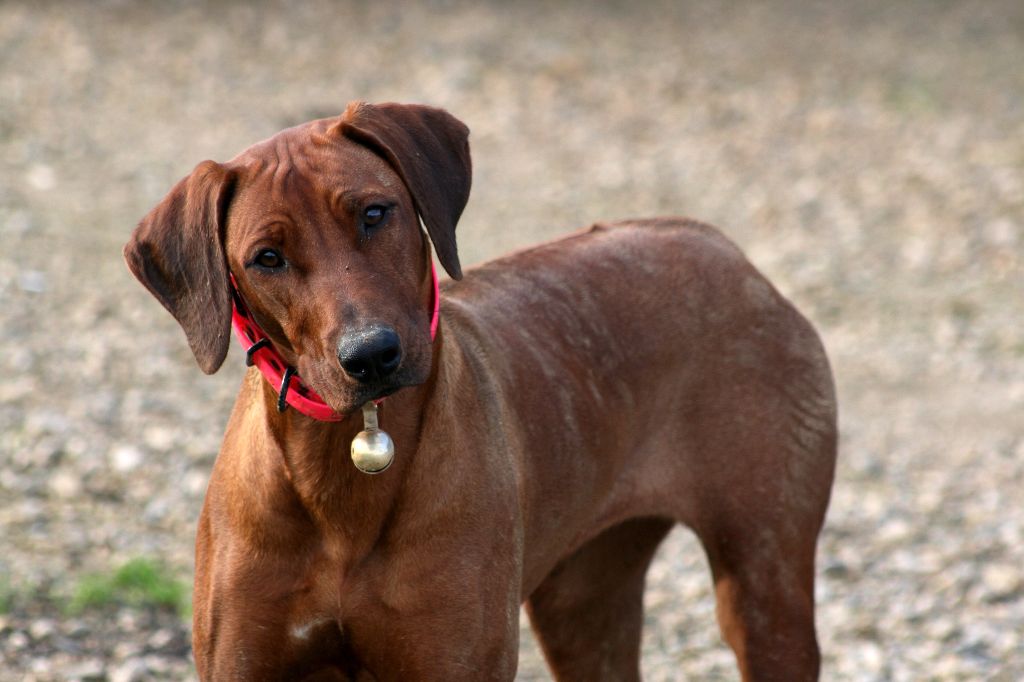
point(372, 449)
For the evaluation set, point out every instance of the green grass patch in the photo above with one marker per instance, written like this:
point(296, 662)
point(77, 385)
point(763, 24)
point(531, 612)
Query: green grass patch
point(139, 582)
point(6, 595)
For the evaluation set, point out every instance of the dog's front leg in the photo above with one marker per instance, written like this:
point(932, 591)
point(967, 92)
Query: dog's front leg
point(437, 611)
point(262, 615)
point(433, 600)
point(442, 647)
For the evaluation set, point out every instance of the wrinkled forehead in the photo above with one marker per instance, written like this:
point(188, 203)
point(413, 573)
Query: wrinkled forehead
point(310, 160)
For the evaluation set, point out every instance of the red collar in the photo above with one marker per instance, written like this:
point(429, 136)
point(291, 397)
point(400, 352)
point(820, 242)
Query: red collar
point(292, 390)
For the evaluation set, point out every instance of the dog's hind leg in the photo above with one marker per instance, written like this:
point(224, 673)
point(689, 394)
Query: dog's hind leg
point(759, 529)
point(764, 587)
point(588, 612)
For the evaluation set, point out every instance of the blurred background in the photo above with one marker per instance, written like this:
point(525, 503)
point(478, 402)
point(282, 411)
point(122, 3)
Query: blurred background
point(868, 156)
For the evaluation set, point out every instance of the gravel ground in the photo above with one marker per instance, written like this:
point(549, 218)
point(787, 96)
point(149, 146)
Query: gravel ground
point(869, 157)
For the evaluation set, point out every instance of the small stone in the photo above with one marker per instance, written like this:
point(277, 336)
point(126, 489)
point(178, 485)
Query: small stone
point(947, 667)
point(195, 482)
point(160, 638)
point(41, 666)
point(65, 485)
point(837, 569)
point(942, 629)
point(156, 510)
point(1001, 581)
point(44, 455)
point(90, 670)
point(32, 281)
point(41, 629)
point(17, 640)
point(127, 649)
point(42, 177)
point(160, 438)
point(77, 628)
point(1001, 232)
point(126, 620)
point(893, 531)
point(869, 657)
point(126, 458)
point(157, 664)
point(132, 670)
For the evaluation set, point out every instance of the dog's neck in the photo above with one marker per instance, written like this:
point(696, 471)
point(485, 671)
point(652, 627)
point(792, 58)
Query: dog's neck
point(311, 458)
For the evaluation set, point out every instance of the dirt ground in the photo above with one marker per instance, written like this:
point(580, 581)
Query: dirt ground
point(868, 156)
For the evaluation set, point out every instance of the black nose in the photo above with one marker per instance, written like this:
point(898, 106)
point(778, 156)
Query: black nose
point(370, 354)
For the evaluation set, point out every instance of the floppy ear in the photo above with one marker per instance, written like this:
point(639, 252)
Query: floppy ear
point(429, 149)
point(177, 252)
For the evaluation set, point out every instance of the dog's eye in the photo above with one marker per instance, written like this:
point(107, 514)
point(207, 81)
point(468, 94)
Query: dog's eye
point(269, 259)
point(374, 215)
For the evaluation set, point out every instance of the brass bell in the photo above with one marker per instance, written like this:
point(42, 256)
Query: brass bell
point(372, 449)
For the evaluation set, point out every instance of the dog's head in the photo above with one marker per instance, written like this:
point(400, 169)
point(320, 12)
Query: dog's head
point(320, 226)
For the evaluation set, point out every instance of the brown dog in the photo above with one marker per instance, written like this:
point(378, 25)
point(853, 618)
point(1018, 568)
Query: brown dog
point(579, 399)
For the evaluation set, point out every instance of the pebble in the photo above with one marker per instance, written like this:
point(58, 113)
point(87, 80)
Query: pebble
point(90, 670)
point(42, 177)
point(77, 628)
point(17, 640)
point(33, 281)
point(160, 638)
point(126, 458)
point(196, 482)
point(161, 438)
point(131, 670)
point(1002, 581)
point(127, 649)
point(65, 485)
point(157, 664)
point(42, 666)
point(1003, 232)
point(41, 629)
point(127, 619)
point(156, 510)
